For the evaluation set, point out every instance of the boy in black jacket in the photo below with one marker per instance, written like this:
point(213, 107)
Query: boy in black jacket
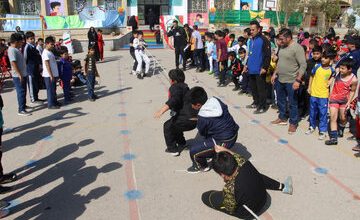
point(179, 42)
point(215, 124)
point(33, 61)
point(236, 67)
point(182, 114)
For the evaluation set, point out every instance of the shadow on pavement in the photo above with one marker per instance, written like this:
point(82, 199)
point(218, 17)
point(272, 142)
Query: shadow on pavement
point(32, 136)
point(64, 201)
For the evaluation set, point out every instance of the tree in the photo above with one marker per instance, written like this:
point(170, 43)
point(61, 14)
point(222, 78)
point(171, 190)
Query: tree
point(351, 22)
point(288, 7)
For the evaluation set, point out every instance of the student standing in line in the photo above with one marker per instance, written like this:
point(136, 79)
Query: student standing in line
point(50, 72)
point(19, 73)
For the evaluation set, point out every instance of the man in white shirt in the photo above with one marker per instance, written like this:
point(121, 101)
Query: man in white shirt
point(50, 72)
point(19, 73)
point(199, 50)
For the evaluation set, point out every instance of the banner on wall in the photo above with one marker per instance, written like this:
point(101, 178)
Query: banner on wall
point(55, 7)
point(199, 19)
point(249, 5)
point(270, 5)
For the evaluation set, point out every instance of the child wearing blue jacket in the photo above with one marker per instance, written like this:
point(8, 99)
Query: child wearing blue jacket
point(65, 73)
point(215, 123)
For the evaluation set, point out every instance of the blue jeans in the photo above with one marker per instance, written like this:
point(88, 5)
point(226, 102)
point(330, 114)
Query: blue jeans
point(319, 106)
point(199, 58)
point(51, 91)
point(20, 87)
point(91, 84)
point(287, 96)
point(201, 152)
point(66, 89)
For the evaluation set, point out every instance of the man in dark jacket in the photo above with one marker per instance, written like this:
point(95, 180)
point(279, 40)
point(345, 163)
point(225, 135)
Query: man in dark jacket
point(33, 61)
point(151, 19)
point(215, 124)
point(179, 42)
point(182, 114)
point(257, 65)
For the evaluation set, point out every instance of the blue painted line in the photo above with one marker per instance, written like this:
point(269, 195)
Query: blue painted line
point(129, 156)
point(48, 138)
point(236, 107)
point(122, 115)
point(13, 203)
point(255, 122)
point(31, 163)
point(133, 195)
point(124, 132)
point(321, 170)
point(283, 141)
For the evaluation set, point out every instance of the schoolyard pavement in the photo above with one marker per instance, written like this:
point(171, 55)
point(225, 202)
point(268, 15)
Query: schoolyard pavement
point(106, 160)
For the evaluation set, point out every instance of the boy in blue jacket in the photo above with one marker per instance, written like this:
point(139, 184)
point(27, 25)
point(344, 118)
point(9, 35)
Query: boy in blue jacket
point(65, 73)
point(215, 123)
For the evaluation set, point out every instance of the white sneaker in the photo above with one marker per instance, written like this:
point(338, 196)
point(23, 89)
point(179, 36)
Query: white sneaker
point(310, 130)
point(322, 136)
point(24, 113)
point(133, 72)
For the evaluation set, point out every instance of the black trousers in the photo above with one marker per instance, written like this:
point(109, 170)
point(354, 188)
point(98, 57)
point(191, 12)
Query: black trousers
point(180, 51)
point(132, 53)
point(222, 70)
point(258, 89)
point(174, 131)
point(199, 58)
point(1, 167)
point(245, 83)
point(235, 79)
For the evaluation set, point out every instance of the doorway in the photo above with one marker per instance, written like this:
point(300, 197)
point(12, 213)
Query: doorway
point(155, 10)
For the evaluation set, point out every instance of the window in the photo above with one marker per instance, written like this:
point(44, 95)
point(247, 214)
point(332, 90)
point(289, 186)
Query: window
point(29, 7)
point(79, 5)
point(197, 6)
point(112, 4)
point(224, 5)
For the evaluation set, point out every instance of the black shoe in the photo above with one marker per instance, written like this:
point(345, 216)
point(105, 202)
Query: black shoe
point(221, 84)
point(252, 106)
point(341, 133)
point(91, 99)
point(54, 107)
point(139, 76)
point(184, 68)
point(260, 111)
point(5, 189)
point(242, 92)
point(174, 152)
point(95, 97)
point(8, 178)
point(201, 70)
point(332, 141)
point(182, 147)
point(236, 88)
point(193, 169)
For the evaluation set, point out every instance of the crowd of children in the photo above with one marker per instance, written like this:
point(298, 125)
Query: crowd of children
point(327, 88)
point(44, 64)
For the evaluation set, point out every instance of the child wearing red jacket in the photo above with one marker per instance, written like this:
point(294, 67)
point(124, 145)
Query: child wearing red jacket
point(236, 67)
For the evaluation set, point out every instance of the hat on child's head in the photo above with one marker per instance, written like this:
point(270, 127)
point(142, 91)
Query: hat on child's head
point(76, 64)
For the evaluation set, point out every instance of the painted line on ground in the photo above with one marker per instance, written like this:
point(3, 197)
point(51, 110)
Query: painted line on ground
point(132, 193)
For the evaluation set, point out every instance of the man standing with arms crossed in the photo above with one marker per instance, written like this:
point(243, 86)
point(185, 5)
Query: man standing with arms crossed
point(179, 42)
point(287, 79)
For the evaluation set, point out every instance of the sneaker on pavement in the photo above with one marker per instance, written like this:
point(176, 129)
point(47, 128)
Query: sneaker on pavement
point(332, 141)
point(24, 113)
point(193, 169)
point(288, 186)
point(174, 153)
point(356, 148)
point(310, 130)
point(252, 106)
point(260, 111)
point(322, 136)
point(279, 122)
point(292, 129)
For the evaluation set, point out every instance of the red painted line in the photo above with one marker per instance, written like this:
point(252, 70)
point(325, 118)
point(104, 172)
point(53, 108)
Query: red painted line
point(129, 170)
point(294, 150)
